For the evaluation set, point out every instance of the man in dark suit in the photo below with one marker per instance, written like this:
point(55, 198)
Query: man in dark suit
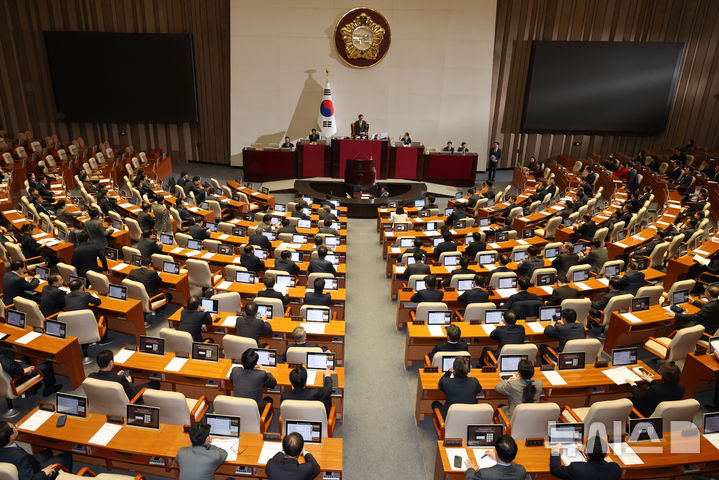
point(30, 248)
point(418, 267)
point(286, 227)
point(475, 246)
point(96, 231)
point(527, 267)
point(565, 259)
point(107, 364)
point(596, 257)
point(313, 137)
point(478, 294)
point(298, 379)
point(148, 244)
point(454, 342)
point(415, 248)
point(21, 373)
point(320, 264)
point(457, 214)
point(506, 333)
point(360, 128)
point(198, 230)
point(522, 295)
point(449, 148)
point(284, 465)
point(86, 255)
point(194, 319)
point(270, 292)
point(30, 467)
point(185, 214)
point(708, 314)
point(632, 280)
point(261, 241)
point(300, 337)
point(565, 328)
point(503, 261)
point(250, 261)
point(430, 292)
point(52, 299)
point(667, 389)
point(504, 453)
point(595, 468)
point(462, 270)
point(248, 325)
point(285, 263)
point(472, 197)
point(78, 298)
point(615, 288)
point(250, 380)
point(495, 155)
point(562, 292)
point(298, 213)
point(587, 229)
point(632, 178)
point(460, 389)
point(14, 285)
point(144, 219)
point(317, 297)
point(150, 278)
point(447, 245)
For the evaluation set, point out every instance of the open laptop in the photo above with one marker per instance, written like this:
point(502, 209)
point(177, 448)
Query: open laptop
point(296, 256)
point(267, 357)
point(568, 436)
point(259, 253)
point(171, 267)
point(111, 253)
point(332, 241)
point(239, 231)
point(624, 357)
point(680, 296)
point(549, 313)
point(508, 282)
point(643, 429)
point(611, 271)
point(244, 277)
point(264, 311)
point(440, 317)
point(320, 360)
point(55, 329)
point(579, 247)
point(580, 276)
point(193, 244)
point(551, 252)
point(487, 258)
point(205, 351)
point(152, 345)
point(571, 361)
point(711, 424)
point(465, 284)
point(483, 435)
point(484, 222)
point(509, 365)
point(299, 238)
point(520, 255)
point(211, 226)
point(73, 405)
point(304, 223)
point(317, 315)
point(15, 318)
point(450, 260)
point(167, 239)
point(448, 361)
point(493, 317)
point(501, 236)
point(545, 279)
point(223, 425)
point(639, 304)
point(527, 233)
point(42, 273)
point(136, 261)
point(223, 249)
point(117, 292)
point(288, 281)
point(406, 242)
point(419, 285)
point(311, 432)
point(437, 241)
point(143, 416)
point(211, 306)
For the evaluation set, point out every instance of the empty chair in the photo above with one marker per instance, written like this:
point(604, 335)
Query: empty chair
point(234, 346)
point(309, 410)
point(176, 341)
point(529, 420)
point(228, 302)
point(137, 291)
point(413, 279)
point(653, 292)
point(231, 271)
point(211, 245)
point(550, 229)
point(459, 416)
point(181, 239)
point(462, 276)
point(577, 268)
point(8, 471)
point(82, 325)
point(246, 408)
point(299, 354)
point(107, 398)
point(674, 245)
point(600, 235)
point(175, 408)
point(608, 414)
point(528, 349)
point(675, 347)
point(681, 411)
point(611, 263)
point(158, 259)
point(423, 309)
point(199, 274)
point(591, 347)
point(476, 311)
point(134, 228)
point(98, 282)
point(542, 271)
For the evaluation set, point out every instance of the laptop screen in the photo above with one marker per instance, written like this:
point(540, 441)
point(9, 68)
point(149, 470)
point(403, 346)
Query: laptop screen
point(111, 253)
point(136, 261)
point(580, 276)
point(320, 360)
point(167, 239)
point(288, 280)
point(304, 223)
point(571, 361)
point(55, 328)
point(611, 270)
point(116, 224)
point(223, 425)
point(483, 435)
point(311, 431)
point(117, 291)
point(501, 236)
point(549, 313)
point(171, 267)
point(317, 315)
point(239, 231)
point(520, 255)
point(641, 429)
point(464, 285)
point(332, 241)
point(331, 284)
point(259, 253)
point(267, 357)
point(153, 345)
point(437, 241)
point(448, 361)
point(622, 357)
point(43, 272)
point(450, 260)
point(73, 405)
point(545, 279)
point(566, 433)
point(244, 277)
point(143, 416)
point(406, 242)
point(210, 306)
point(551, 252)
point(640, 304)
point(271, 236)
point(296, 256)
point(193, 244)
point(510, 363)
point(713, 344)
point(442, 317)
point(680, 296)
point(487, 258)
point(16, 318)
point(223, 249)
point(419, 203)
point(211, 226)
point(508, 282)
point(264, 311)
point(299, 238)
point(528, 233)
point(400, 227)
point(711, 423)
point(419, 285)
point(493, 316)
point(205, 351)
point(579, 247)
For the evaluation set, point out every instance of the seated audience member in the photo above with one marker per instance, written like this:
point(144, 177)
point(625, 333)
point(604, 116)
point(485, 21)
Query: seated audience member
point(462, 270)
point(300, 337)
point(415, 248)
point(615, 288)
point(298, 213)
point(270, 292)
point(418, 267)
point(505, 450)
point(106, 363)
point(658, 391)
point(149, 244)
point(565, 328)
point(522, 295)
point(320, 264)
point(565, 259)
point(454, 343)
point(503, 262)
point(447, 245)
point(475, 246)
point(21, 372)
point(286, 227)
point(298, 379)
point(78, 298)
point(399, 216)
point(506, 333)
point(198, 231)
point(285, 466)
point(30, 248)
point(250, 261)
point(562, 291)
point(317, 297)
point(149, 278)
point(200, 460)
point(251, 380)
point(194, 319)
point(478, 293)
point(632, 280)
point(457, 389)
point(285, 263)
point(587, 229)
point(520, 388)
point(708, 314)
point(594, 468)
point(596, 257)
point(248, 325)
point(327, 228)
point(52, 299)
point(527, 266)
point(40, 466)
point(430, 292)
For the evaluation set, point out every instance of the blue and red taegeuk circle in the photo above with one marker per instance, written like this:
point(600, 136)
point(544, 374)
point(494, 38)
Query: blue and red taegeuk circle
point(326, 108)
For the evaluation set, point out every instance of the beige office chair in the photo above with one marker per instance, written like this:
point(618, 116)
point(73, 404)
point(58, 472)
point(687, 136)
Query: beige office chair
point(10, 389)
point(15, 253)
point(228, 302)
point(199, 274)
point(234, 346)
point(105, 397)
point(494, 282)
point(231, 271)
point(423, 309)
point(656, 258)
point(675, 411)
point(226, 228)
point(542, 271)
point(678, 286)
point(33, 316)
point(528, 349)
point(577, 268)
point(128, 252)
point(211, 245)
point(438, 358)
point(158, 259)
point(653, 292)
point(591, 347)
point(299, 354)
point(600, 235)
point(98, 282)
point(610, 263)
point(609, 413)
point(181, 239)
point(175, 408)
point(529, 420)
point(137, 291)
point(458, 417)
point(476, 311)
point(8, 471)
point(176, 341)
point(675, 347)
point(134, 228)
point(413, 279)
point(674, 245)
point(250, 419)
point(444, 255)
point(303, 311)
point(454, 281)
point(620, 302)
point(550, 230)
point(83, 325)
point(311, 411)
point(615, 231)
point(278, 309)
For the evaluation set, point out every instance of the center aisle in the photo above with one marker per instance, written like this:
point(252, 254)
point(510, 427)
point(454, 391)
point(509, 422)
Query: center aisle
point(380, 436)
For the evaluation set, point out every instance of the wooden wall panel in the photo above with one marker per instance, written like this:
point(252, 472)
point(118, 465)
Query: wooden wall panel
point(695, 113)
point(26, 98)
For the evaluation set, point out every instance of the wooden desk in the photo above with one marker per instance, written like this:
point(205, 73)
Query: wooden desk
point(679, 267)
point(450, 169)
point(64, 354)
point(125, 316)
point(253, 195)
point(699, 368)
point(265, 165)
point(177, 286)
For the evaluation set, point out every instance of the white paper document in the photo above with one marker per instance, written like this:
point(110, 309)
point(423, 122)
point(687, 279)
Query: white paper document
point(582, 286)
point(192, 253)
point(230, 445)
point(229, 321)
point(119, 266)
point(36, 420)
point(269, 450)
point(483, 460)
point(400, 269)
point(554, 377)
point(223, 285)
point(701, 260)
point(27, 338)
point(223, 236)
point(176, 364)
point(604, 281)
point(237, 260)
point(620, 375)
point(177, 250)
point(123, 355)
point(490, 266)
point(493, 245)
point(315, 328)
point(522, 242)
point(506, 292)
point(620, 244)
point(712, 437)
point(626, 454)
point(488, 328)
point(435, 330)
point(536, 327)
point(630, 317)
point(701, 252)
point(457, 452)
point(395, 249)
point(311, 377)
point(18, 220)
point(207, 255)
point(105, 434)
point(547, 288)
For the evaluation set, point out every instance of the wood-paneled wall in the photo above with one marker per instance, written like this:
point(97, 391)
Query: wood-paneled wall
point(695, 113)
point(26, 97)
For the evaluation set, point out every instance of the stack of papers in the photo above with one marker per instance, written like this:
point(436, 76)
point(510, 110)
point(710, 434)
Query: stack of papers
point(488, 328)
point(269, 450)
point(626, 454)
point(176, 364)
point(620, 375)
point(630, 317)
point(554, 377)
point(522, 242)
point(123, 355)
point(36, 420)
point(207, 255)
point(701, 260)
point(192, 253)
point(230, 445)
point(493, 245)
point(177, 250)
point(105, 434)
point(435, 330)
point(311, 377)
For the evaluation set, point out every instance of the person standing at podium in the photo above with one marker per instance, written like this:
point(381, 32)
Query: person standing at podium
point(314, 137)
point(406, 140)
point(360, 127)
point(495, 155)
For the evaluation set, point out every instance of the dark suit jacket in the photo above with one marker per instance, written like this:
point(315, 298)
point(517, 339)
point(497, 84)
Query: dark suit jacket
point(460, 346)
point(632, 179)
point(150, 278)
point(261, 241)
point(427, 295)
point(476, 295)
point(708, 315)
point(251, 262)
point(198, 232)
point(562, 293)
point(513, 471)
point(250, 383)
point(130, 389)
point(596, 258)
point(14, 285)
point(601, 304)
point(191, 321)
point(28, 468)
point(587, 230)
point(565, 332)
point(646, 401)
point(185, 215)
point(417, 269)
point(267, 293)
point(508, 335)
point(148, 246)
point(280, 467)
point(475, 247)
point(29, 246)
point(79, 301)
point(528, 266)
point(52, 300)
point(146, 221)
point(632, 282)
point(458, 390)
point(85, 258)
point(97, 232)
point(520, 296)
point(287, 266)
point(497, 153)
point(252, 327)
point(321, 266)
point(313, 298)
point(591, 470)
point(445, 247)
point(322, 394)
point(564, 261)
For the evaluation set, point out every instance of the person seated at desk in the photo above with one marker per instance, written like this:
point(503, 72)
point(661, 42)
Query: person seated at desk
point(615, 288)
point(658, 391)
point(260, 240)
point(286, 227)
point(86, 254)
point(149, 244)
point(30, 248)
point(527, 266)
point(78, 298)
point(248, 325)
point(327, 228)
point(197, 230)
point(462, 270)
point(472, 197)
point(313, 137)
point(565, 259)
point(430, 292)
point(562, 291)
point(22, 372)
point(449, 148)
point(649, 247)
point(144, 219)
point(463, 148)
point(86, 183)
point(565, 328)
point(478, 293)
point(284, 465)
point(632, 280)
point(520, 388)
point(360, 128)
point(251, 380)
point(150, 278)
point(285, 263)
point(52, 299)
point(504, 453)
point(185, 215)
point(457, 389)
point(40, 466)
point(317, 297)
point(475, 246)
point(184, 178)
point(270, 292)
point(106, 204)
point(287, 143)
point(596, 257)
point(250, 261)
point(106, 363)
point(587, 229)
point(454, 342)
point(62, 214)
point(685, 180)
point(298, 213)
point(457, 214)
point(506, 333)
point(298, 379)
point(503, 262)
point(595, 468)
point(326, 212)
point(708, 314)
point(522, 295)
point(447, 245)
point(15, 285)
point(399, 216)
point(418, 267)
point(194, 319)
point(300, 337)
point(431, 203)
point(200, 460)
point(416, 247)
point(321, 265)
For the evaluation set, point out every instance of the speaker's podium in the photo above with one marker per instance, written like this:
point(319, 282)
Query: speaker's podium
point(375, 152)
